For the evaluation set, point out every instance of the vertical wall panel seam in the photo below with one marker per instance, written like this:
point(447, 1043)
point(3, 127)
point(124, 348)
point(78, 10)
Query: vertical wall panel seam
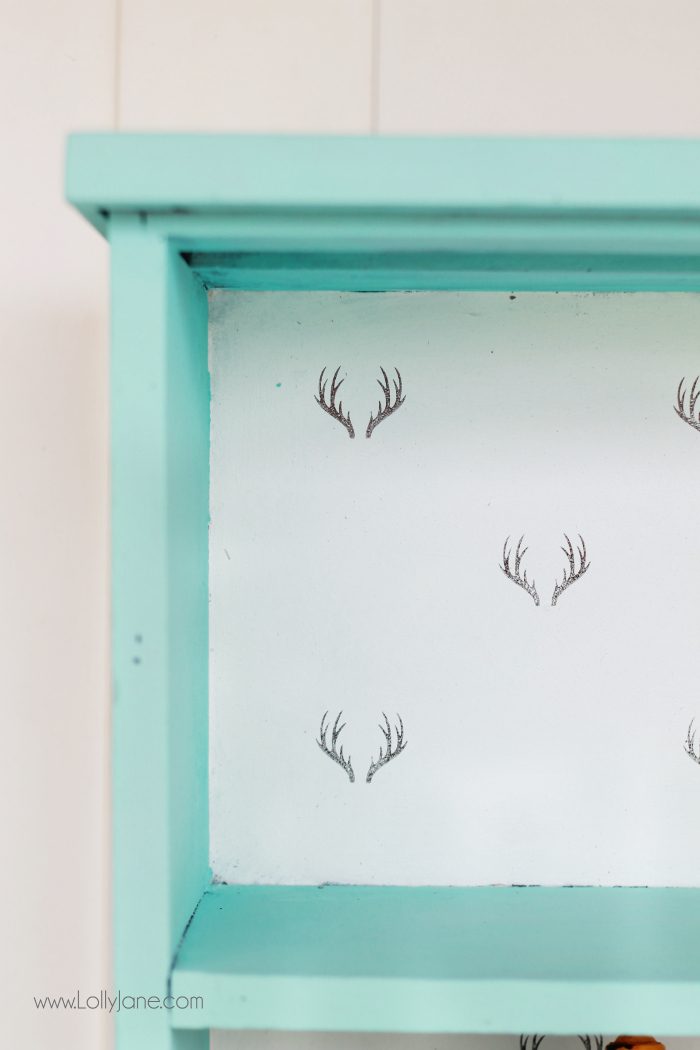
point(374, 66)
point(118, 18)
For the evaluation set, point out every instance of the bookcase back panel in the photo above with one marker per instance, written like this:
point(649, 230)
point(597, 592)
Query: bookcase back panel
point(542, 743)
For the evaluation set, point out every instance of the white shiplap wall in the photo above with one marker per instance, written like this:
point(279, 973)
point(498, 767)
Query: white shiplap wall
point(446, 66)
point(56, 73)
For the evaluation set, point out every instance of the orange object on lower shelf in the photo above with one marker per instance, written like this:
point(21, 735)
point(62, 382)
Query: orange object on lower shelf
point(632, 1042)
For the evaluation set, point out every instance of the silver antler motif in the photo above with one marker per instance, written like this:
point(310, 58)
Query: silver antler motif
point(385, 411)
point(536, 1042)
point(690, 416)
point(387, 756)
point(590, 1041)
point(335, 411)
point(337, 756)
point(689, 745)
point(573, 573)
point(514, 575)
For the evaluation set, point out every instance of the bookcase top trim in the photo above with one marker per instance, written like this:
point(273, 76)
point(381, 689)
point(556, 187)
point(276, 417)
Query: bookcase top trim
point(182, 174)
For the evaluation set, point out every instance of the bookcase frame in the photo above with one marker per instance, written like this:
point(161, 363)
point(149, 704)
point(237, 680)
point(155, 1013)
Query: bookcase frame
point(186, 213)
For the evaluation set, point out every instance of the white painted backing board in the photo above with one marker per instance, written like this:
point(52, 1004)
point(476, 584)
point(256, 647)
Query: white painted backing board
point(545, 745)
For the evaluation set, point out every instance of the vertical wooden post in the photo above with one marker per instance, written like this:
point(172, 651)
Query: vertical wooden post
point(160, 513)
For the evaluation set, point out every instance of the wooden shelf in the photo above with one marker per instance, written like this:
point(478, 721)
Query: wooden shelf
point(440, 959)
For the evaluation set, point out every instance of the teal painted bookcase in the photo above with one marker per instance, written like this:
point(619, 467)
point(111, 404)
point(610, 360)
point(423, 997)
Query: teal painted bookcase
point(187, 213)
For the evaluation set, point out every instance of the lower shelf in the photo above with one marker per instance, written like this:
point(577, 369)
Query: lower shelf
point(440, 959)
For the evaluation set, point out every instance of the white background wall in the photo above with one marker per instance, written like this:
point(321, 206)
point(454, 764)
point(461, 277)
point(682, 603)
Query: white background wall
point(609, 67)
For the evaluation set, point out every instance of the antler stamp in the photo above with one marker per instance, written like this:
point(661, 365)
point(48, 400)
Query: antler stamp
point(332, 752)
point(689, 745)
point(336, 412)
point(590, 1041)
point(384, 411)
point(690, 417)
point(525, 1044)
point(573, 573)
point(514, 574)
point(391, 752)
